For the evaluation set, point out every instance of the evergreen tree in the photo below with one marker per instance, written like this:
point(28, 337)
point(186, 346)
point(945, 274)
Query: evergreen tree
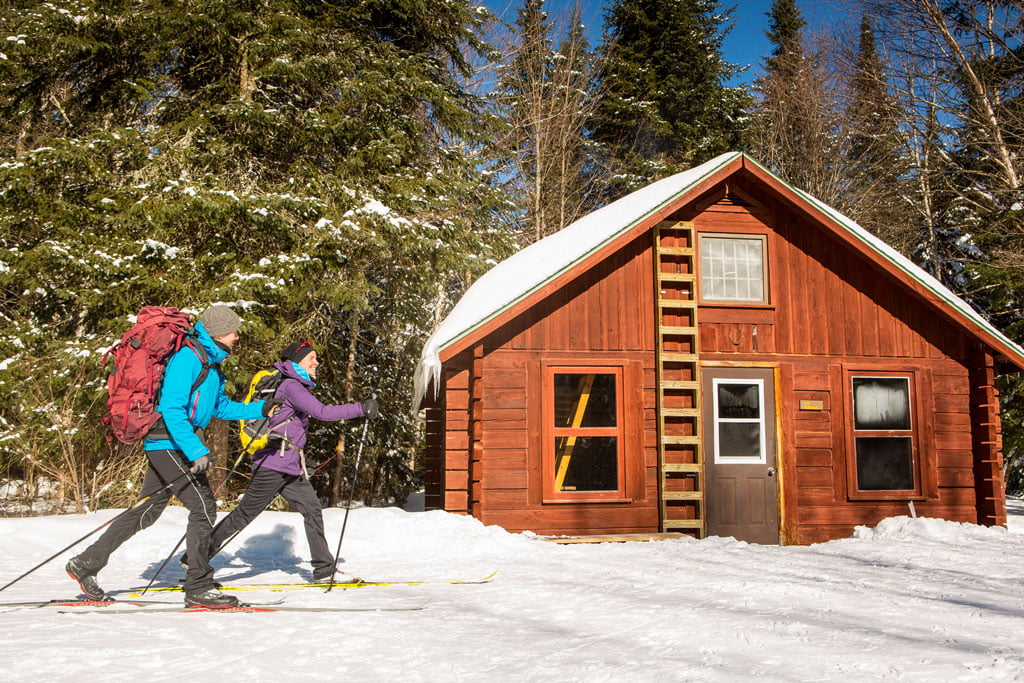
point(874, 137)
point(665, 105)
point(880, 194)
point(785, 33)
point(312, 163)
point(795, 127)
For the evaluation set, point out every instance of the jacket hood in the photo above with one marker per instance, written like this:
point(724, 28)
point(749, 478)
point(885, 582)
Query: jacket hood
point(287, 371)
point(215, 353)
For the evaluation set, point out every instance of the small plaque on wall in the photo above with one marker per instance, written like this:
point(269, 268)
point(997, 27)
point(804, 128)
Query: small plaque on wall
point(812, 405)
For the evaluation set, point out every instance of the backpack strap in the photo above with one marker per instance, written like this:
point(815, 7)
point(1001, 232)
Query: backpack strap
point(204, 358)
point(159, 428)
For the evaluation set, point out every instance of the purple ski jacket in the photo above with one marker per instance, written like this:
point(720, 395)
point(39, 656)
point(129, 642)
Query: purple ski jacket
point(301, 405)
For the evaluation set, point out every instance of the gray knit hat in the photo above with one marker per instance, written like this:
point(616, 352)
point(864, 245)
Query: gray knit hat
point(220, 320)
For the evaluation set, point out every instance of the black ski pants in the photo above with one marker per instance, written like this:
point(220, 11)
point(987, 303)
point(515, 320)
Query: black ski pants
point(294, 488)
point(193, 490)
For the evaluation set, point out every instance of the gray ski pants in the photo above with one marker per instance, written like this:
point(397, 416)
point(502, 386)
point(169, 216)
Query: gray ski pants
point(294, 488)
point(192, 490)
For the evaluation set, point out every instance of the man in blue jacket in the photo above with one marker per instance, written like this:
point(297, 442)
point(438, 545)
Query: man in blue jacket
point(192, 393)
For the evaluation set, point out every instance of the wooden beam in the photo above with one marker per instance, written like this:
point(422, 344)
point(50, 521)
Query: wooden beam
point(613, 538)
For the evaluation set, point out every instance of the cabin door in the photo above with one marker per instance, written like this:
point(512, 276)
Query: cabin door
point(738, 425)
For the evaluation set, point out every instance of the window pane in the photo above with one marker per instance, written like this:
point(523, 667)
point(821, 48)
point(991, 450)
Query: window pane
point(881, 403)
point(586, 463)
point(739, 440)
point(732, 268)
point(884, 463)
point(585, 400)
point(739, 401)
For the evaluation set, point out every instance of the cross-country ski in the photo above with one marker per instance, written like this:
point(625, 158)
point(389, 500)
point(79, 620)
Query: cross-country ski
point(340, 585)
point(84, 603)
point(247, 608)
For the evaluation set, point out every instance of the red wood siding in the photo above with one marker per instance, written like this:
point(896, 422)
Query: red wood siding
point(455, 487)
point(825, 300)
point(609, 308)
point(830, 308)
point(603, 315)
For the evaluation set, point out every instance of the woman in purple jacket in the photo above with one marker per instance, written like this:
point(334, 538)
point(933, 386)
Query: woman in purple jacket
point(280, 467)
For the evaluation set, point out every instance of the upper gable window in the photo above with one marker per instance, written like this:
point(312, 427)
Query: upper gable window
point(733, 268)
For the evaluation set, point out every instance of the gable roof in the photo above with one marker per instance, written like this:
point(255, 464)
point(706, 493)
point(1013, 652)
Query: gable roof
point(511, 283)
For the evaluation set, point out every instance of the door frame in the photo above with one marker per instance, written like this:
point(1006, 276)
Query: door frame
point(781, 469)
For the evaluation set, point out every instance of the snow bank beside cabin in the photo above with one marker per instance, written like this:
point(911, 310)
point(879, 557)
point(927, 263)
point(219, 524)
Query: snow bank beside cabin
point(929, 529)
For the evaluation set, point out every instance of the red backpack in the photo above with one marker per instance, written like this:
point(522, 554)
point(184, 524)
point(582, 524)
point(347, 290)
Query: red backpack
point(139, 361)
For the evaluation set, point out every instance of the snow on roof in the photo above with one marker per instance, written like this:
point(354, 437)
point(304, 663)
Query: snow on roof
point(904, 264)
point(531, 268)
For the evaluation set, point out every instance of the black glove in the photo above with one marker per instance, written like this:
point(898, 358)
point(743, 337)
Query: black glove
point(202, 464)
point(370, 408)
point(271, 406)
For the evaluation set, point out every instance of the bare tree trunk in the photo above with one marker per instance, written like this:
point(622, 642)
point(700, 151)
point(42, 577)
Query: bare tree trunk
point(350, 376)
point(984, 97)
point(547, 95)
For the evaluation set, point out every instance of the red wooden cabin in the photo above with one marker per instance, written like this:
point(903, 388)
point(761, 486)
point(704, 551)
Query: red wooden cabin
point(715, 354)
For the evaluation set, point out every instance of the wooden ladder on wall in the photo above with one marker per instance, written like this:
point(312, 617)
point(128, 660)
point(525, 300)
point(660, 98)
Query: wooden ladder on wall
point(681, 466)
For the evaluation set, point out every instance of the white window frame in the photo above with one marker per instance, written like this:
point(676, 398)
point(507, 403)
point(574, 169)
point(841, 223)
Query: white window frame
point(763, 460)
point(762, 240)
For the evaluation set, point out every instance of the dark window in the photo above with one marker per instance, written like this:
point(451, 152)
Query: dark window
point(882, 433)
point(584, 432)
point(585, 400)
point(586, 463)
point(885, 463)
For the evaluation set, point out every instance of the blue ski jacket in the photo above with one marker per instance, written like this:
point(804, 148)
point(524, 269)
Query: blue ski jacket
point(184, 410)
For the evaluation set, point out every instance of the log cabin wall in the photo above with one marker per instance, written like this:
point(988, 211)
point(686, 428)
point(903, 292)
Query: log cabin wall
point(454, 488)
point(434, 450)
point(602, 316)
point(832, 309)
point(987, 441)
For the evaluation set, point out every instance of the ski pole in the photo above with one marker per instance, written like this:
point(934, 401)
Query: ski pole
point(212, 532)
point(177, 545)
point(101, 526)
point(348, 506)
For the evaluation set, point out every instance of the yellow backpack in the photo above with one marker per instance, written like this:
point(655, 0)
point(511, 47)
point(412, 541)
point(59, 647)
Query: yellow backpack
point(254, 434)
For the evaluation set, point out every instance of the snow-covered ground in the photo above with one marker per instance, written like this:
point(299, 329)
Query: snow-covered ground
point(909, 600)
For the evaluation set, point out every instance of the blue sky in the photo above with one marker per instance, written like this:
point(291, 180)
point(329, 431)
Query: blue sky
point(745, 45)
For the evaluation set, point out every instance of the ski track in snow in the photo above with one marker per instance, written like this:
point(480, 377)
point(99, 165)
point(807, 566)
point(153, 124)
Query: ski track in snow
point(910, 600)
